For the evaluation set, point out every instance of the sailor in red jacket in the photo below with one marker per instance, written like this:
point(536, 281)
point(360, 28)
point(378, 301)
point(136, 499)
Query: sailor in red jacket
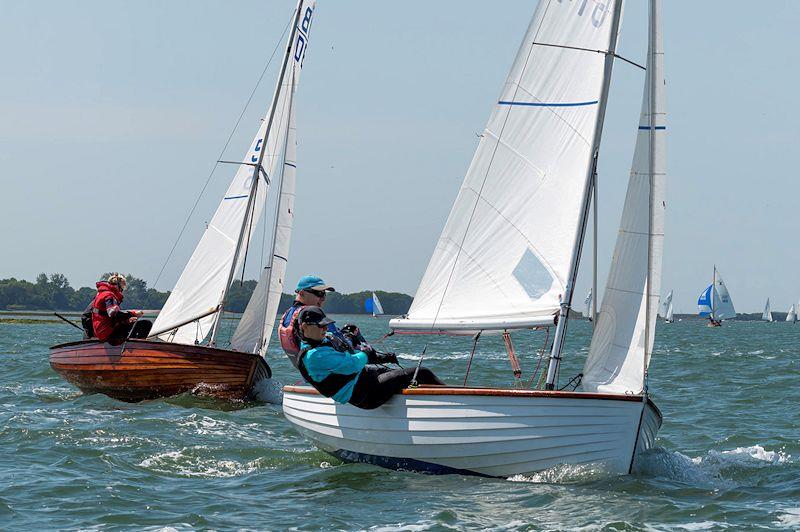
point(110, 323)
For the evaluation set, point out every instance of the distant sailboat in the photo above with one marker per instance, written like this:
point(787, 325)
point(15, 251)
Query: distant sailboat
point(374, 305)
point(587, 313)
point(666, 307)
point(715, 302)
point(767, 315)
point(792, 315)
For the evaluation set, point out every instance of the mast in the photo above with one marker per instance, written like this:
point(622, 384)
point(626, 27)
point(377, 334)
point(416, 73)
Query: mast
point(256, 171)
point(566, 300)
point(593, 309)
point(651, 75)
point(713, 291)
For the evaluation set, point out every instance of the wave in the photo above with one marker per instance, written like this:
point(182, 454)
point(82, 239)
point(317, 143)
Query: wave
point(713, 468)
point(185, 463)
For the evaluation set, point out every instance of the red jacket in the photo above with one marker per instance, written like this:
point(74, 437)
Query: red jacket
point(104, 324)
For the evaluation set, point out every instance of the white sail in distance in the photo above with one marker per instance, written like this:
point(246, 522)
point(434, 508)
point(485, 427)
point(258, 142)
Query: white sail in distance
point(377, 308)
point(669, 318)
point(587, 312)
point(504, 255)
point(666, 303)
point(792, 315)
point(625, 329)
point(723, 304)
point(767, 315)
point(201, 286)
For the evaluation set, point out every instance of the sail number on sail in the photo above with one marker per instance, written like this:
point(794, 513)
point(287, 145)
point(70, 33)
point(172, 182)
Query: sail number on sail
point(599, 12)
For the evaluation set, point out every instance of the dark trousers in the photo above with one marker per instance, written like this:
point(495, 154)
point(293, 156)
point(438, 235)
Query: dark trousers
point(377, 384)
point(141, 328)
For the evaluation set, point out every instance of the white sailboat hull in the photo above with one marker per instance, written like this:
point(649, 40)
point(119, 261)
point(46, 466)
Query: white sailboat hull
point(491, 432)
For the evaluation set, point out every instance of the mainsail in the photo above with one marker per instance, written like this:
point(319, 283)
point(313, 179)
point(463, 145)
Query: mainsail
point(377, 308)
point(624, 333)
point(203, 283)
point(504, 255)
point(666, 304)
point(792, 315)
point(587, 310)
point(767, 315)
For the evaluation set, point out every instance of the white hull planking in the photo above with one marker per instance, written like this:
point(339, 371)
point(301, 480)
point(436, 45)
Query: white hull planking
point(493, 435)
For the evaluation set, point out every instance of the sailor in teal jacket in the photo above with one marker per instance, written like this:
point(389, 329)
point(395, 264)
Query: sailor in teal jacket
point(338, 371)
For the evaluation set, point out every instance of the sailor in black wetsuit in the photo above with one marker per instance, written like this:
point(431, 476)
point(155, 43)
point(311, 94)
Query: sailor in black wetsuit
point(345, 375)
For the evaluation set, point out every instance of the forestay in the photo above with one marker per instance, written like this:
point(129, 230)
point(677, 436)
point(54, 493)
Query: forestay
point(201, 286)
point(623, 336)
point(504, 254)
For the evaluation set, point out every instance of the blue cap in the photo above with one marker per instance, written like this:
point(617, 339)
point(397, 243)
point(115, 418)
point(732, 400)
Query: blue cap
point(312, 282)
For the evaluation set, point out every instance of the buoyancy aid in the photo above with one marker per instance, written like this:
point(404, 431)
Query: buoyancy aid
point(330, 385)
point(289, 333)
point(102, 323)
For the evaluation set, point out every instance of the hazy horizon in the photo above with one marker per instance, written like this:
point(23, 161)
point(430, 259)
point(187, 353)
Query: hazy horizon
point(115, 113)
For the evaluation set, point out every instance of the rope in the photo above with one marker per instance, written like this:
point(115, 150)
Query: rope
point(472, 354)
point(541, 357)
point(225, 147)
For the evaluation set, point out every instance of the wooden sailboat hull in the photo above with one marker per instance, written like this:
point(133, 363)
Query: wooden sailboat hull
point(488, 432)
point(150, 370)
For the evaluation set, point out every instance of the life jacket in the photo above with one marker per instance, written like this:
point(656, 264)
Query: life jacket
point(330, 385)
point(102, 323)
point(289, 333)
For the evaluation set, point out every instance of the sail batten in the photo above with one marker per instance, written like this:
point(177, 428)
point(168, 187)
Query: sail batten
point(504, 254)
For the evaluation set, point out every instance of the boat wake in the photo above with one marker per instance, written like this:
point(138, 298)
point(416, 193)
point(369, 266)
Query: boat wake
point(715, 468)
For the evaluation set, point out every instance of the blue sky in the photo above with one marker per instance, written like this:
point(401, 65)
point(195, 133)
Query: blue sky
point(113, 114)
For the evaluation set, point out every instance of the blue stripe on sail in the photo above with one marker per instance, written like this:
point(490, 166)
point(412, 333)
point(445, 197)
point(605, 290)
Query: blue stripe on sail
point(646, 128)
point(236, 197)
point(291, 164)
point(402, 464)
point(546, 104)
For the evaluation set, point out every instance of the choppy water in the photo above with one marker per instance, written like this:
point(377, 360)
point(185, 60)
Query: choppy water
point(727, 455)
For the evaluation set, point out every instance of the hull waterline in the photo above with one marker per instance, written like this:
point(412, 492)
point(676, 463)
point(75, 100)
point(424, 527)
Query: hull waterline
point(151, 370)
point(487, 432)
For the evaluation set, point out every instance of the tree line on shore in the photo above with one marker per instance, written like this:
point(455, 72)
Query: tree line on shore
point(53, 292)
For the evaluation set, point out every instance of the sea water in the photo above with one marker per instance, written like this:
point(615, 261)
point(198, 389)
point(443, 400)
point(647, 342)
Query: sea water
point(726, 457)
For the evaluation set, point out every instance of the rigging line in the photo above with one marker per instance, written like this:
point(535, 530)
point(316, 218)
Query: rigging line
point(225, 147)
point(485, 177)
point(604, 52)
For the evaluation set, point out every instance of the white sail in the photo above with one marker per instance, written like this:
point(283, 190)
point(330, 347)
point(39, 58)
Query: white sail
point(504, 254)
point(587, 311)
point(202, 284)
point(792, 315)
point(254, 331)
point(665, 304)
point(377, 308)
point(723, 304)
point(668, 318)
point(624, 332)
point(767, 315)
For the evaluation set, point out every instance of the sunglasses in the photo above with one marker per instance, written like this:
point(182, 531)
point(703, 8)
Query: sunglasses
point(318, 293)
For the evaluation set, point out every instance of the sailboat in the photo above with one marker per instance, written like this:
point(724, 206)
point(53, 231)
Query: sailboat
point(792, 315)
point(508, 259)
point(666, 306)
point(715, 302)
point(767, 315)
point(587, 309)
point(374, 306)
point(182, 354)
